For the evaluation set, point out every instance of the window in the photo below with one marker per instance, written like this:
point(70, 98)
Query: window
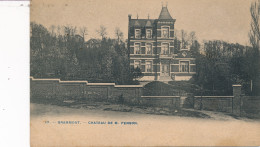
point(137, 33)
point(165, 48)
point(137, 64)
point(165, 32)
point(148, 48)
point(148, 33)
point(184, 66)
point(137, 48)
point(149, 66)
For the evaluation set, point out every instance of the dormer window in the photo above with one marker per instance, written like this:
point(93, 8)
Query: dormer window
point(165, 32)
point(137, 33)
point(148, 33)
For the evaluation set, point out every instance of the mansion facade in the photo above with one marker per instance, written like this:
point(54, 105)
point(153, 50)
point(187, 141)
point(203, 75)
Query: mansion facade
point(151, 47)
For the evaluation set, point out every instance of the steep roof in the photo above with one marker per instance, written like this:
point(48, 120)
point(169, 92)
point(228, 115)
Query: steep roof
point(165, 14)
point(141, 22)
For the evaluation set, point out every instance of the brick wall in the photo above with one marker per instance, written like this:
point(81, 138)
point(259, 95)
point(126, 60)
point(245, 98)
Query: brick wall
point(214, 103)
point(161, 101)
point(63, 90)
point(239, 105)
point(250, 106)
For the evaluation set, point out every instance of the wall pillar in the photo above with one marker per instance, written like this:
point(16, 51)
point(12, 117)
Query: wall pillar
point(236, 100)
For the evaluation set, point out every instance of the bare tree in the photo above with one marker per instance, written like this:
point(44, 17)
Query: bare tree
point(102, 31)
point(58, 30)
point(74, 31)
point(119, 34)
point(176, 33)
point(52, 29)
point(192, 37)
point(254, 34)
point(183, 38)
point(83, 31)
point(69, 30)
point(254, 37)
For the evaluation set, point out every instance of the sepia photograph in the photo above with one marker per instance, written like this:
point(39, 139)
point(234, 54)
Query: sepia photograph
point(144, 73)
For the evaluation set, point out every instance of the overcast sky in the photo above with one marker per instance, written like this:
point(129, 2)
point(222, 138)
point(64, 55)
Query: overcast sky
point(227, 20)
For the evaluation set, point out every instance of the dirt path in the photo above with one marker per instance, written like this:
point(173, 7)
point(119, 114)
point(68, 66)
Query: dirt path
point(214, 115)
point(221, 116)
point(150, 129)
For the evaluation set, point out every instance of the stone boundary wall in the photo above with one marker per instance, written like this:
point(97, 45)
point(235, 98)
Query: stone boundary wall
point(229, 104)
point(161, 101)
point(239, 105)
point(250, 106)
point(99, 92)
point(57, 89)
point(67, 90)
point(214, 103)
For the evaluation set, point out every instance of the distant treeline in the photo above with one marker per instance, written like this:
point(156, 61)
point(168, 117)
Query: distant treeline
point(222, 64)
point(67, 56)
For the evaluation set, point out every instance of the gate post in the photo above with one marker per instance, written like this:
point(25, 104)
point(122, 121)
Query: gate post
point(236, 100)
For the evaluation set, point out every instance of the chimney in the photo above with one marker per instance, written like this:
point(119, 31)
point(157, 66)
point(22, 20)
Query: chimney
point(129, 16)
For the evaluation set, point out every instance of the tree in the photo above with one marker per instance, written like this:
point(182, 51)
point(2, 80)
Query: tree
point(83, 31)
point(195, 46)
point(52, 28)
point(64, 56)
point(254, 38)
point(183, 39)
point(136, 73)
point(102, 31)
point(119, 34)
point(58, 30)
point(192, 37)
point(254, 34)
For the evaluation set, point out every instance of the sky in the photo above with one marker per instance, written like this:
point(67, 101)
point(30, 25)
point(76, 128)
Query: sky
point(227, 20)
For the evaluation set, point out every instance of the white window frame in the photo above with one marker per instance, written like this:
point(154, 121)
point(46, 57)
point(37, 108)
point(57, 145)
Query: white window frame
point(139, 33)
point(135, 49)
point(162, 48)
point(139, 63)
point(180, 68)
point(146, 48)
point(150, 34)
point(146, 65)
point(162, 28)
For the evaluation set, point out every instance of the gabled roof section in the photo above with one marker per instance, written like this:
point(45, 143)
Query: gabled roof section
point(148, 24)
point(165, 14)
point(137, 24)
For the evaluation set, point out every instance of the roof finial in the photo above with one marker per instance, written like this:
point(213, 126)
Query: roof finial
point(166, 4)
point(137, 16)
point(162, 4)
point(148, 16)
